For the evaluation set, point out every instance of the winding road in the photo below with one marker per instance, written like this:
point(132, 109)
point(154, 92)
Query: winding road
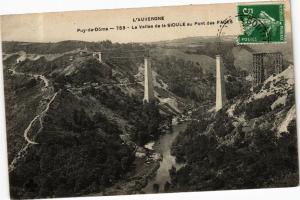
point(39, 117)
point(42, 114)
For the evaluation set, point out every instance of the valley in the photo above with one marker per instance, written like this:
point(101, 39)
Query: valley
point(79, 122)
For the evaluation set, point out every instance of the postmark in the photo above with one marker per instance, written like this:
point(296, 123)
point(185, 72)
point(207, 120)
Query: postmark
point(261, 23)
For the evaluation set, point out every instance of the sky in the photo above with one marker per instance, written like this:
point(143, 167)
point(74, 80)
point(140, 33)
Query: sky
point(54, 27)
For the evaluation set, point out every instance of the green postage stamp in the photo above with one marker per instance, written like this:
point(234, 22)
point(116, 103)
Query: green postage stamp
point(261, 23)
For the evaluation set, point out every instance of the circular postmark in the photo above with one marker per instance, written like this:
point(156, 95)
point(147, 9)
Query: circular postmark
point(249, 23)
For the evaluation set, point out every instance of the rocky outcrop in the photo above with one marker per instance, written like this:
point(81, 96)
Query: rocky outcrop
point(250, 143)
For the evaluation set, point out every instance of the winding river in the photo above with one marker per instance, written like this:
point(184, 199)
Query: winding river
point(163, 146)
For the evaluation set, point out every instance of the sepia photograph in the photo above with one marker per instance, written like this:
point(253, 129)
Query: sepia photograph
point(150, 100)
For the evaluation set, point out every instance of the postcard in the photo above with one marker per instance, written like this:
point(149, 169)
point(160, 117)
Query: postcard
point(150, 100)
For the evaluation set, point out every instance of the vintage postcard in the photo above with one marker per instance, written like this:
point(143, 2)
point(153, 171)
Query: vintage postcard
point(150, 100)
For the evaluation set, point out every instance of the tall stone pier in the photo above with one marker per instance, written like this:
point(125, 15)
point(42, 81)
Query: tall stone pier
point(148, 85)
point(98, 55)
point(220, 84)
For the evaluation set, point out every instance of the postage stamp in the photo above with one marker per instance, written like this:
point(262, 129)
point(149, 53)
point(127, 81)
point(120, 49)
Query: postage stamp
point(261, 23)
point(149, 100)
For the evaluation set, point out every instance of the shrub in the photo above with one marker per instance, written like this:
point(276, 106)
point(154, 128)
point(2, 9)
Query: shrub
point(258, 107)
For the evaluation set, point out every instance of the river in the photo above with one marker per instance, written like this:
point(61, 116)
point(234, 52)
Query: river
point(163, 146)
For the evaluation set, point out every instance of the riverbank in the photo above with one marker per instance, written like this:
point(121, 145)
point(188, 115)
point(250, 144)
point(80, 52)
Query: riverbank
point(136, 180)
point(150, 172)
point(159, 183)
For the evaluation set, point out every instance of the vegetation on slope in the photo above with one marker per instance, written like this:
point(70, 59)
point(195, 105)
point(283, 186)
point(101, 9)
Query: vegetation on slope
point(250, 143)
point(79, 150)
